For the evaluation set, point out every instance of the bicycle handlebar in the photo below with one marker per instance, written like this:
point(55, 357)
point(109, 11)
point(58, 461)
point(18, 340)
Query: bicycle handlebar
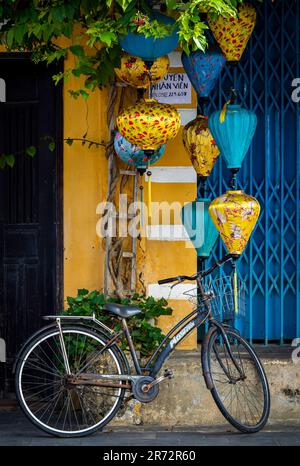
point(182, 278)
point(216, 264)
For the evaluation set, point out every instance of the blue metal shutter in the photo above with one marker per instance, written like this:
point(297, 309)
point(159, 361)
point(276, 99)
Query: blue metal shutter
point(270, 264)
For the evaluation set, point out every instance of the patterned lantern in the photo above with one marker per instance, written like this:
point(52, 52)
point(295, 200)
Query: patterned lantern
point(201, 146)
point(149, 124)
point(199, 226)
point(203, 69)
point(235, 215)
point(232, 34)
point(134, 155)
point(233, 133)
point(150, 48)
point(134, 71)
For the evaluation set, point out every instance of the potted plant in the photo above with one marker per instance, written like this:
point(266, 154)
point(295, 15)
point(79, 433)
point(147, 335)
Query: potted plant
point(150, 36)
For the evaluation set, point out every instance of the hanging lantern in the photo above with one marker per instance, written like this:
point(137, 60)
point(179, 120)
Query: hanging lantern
point(200, 145)
point(232, 34)
point(233, 130)
point(199, 226)
point(134, 71)
point(150, 48)
point(134, 155)
point(203, 69)
point(235, 215)
point(149, 124)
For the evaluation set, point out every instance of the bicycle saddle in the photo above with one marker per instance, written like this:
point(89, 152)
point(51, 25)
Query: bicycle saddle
point(121, 310)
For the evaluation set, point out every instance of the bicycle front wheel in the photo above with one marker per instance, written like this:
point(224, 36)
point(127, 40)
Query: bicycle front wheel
point(42, 387)
point(240, 387)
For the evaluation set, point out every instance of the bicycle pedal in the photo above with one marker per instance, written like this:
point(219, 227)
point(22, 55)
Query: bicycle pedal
point(169, 374)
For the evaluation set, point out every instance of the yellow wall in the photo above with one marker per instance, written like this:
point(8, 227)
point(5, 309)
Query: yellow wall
point(171, 258)
point(85, 185)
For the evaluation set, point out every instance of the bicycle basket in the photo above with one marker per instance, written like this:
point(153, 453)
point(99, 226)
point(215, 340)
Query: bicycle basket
point(224, 301)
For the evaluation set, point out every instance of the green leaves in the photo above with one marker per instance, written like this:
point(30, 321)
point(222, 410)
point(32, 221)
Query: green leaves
point(31, 151)
point(103, 32)
point(147, 336)
point(77, 50)
point(124, 4)
point(38, 25)
point(10, 38)
point(7, 160)
point(52, 146)
point(171, 4)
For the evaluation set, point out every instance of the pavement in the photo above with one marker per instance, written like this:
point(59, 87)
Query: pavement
point(16, 430)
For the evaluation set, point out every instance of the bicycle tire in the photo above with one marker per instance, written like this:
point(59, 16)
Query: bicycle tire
point(211, 337)
point(23, 357)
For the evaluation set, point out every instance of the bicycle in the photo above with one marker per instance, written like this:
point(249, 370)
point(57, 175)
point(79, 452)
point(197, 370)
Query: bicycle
point(72, 375)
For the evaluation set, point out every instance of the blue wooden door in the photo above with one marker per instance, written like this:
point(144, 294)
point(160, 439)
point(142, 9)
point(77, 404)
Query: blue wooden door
point(270, 171)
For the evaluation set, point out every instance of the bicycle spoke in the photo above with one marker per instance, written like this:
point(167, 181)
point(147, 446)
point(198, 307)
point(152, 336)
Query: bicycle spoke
point(237, 380)
point(46, 391)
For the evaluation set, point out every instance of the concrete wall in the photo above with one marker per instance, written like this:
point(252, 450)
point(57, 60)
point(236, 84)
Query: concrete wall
point(185, 399)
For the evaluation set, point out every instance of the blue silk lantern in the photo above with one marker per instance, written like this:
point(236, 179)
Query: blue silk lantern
point(134, 155)
point(233, 129)
point(149, 48)
point(199, 226)
point(203, 69)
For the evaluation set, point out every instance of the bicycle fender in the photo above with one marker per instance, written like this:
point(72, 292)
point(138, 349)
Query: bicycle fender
point(49, 327)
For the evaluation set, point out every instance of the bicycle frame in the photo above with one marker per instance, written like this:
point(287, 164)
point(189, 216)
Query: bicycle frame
point(182, 329)
point(156, 360)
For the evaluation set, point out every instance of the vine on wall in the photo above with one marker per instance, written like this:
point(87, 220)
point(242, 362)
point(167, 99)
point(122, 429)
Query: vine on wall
point(91, 29)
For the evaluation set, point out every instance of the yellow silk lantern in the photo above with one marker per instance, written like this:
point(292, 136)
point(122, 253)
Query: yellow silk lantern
point(235, 215)
point(200, 145)
point(149, 124)
point(134, 71)
point(232, 34)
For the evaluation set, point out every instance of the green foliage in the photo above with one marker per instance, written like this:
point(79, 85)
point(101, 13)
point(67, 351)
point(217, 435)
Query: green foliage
point(36, 25)
point(31, 151)
point(145, 334)
point(9, 160)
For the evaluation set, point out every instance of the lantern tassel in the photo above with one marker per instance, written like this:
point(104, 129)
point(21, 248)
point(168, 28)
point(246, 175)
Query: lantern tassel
point(141, 206)
point(223, 111)
point(149, 194)
point(235, 292)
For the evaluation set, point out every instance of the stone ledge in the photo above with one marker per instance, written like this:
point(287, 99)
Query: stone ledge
point(276, 352)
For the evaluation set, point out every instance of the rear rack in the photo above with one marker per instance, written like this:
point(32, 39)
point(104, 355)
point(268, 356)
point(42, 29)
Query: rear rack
point(90, 318)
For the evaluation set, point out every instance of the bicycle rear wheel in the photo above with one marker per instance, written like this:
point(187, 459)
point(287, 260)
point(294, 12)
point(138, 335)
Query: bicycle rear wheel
point(239, 389)
point(46, 396)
